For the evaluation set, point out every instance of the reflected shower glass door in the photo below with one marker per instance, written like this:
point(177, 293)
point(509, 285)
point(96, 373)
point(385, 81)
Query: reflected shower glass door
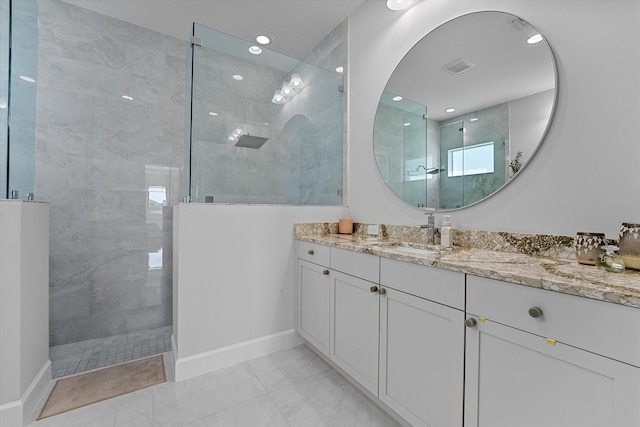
point(265, 128)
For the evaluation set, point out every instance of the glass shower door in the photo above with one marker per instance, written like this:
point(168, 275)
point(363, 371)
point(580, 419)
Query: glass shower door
point(265, 128)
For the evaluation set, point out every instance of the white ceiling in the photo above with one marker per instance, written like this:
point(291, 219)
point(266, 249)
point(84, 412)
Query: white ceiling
point(296, 26)
point(506, 67)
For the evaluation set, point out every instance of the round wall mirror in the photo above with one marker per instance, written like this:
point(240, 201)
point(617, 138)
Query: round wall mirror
point(465, 110)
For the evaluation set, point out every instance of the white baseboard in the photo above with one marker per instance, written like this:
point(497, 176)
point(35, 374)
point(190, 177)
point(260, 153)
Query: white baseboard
point(202, 363)
point(22, 412)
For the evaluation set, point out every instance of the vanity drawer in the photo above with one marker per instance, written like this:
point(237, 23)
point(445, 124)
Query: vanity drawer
point(608, 329)
point(441, 286)
point(357, 264)
point(313, 252)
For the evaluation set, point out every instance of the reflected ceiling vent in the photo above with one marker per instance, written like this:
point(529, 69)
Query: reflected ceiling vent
point(458, 66)
point(250, 141)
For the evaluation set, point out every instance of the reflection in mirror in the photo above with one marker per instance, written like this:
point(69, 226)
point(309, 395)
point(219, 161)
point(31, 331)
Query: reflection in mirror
point(464, 111)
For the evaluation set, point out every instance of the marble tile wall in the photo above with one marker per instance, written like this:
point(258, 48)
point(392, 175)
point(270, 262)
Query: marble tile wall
point(109, 167)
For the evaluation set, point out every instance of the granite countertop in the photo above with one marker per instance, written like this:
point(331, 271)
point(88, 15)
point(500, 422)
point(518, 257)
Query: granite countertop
point(553, 270)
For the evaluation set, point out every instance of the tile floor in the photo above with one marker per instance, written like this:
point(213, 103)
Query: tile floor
point(70, 359)
point(291, 388)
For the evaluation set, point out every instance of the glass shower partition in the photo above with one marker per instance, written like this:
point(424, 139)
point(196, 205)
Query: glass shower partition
point(265, 128)
point(5, 21)
point(18, 75)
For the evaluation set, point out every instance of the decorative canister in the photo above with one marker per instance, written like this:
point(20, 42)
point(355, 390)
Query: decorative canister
point(589, 247)
point(630, 245)
point(345, 226)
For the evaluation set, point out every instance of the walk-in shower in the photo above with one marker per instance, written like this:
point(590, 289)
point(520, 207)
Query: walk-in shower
point(129, 122)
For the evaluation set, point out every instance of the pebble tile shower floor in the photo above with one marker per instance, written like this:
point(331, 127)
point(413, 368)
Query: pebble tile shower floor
point(69, 359)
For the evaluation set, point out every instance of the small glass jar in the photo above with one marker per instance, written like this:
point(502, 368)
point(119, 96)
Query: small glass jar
point(610, 260)
point(589, 247)
point(630, 244)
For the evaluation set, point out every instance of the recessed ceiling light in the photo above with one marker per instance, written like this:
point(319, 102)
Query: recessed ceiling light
point(449, 110)
point(3, 105)
point(211, 113)
point(473, 119)
point(255, 50)
point(263, 39)
point(127, 97)
point(536, 38)
point(340, 69)
point(399, 4)
point(237, 77)
point(27, 79)
point(397, 98)
point(406, 124)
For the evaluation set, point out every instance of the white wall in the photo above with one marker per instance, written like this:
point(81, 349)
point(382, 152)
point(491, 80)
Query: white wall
point(234, 276)
point(528, 118)
point(585, 176)
point(25, 370)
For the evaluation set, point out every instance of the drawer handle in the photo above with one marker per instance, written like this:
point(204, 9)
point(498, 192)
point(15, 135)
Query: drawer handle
point(373, 289)
point(470, 322)
point(310, 251)
point(325, 272)
point(535, 312)
point(382, 291)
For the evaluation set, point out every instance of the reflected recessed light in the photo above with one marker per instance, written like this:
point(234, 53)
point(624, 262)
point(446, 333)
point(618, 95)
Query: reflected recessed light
point(406, 124)
point(399, 4)
point(473, 119)
point(296, 81)
point(287, 89)
point(3, 105)
point(340, 70)
point(27, 79)
point(536, 38)
point(263, 39)
point(127, 97)
point(397, 98)
point(449, 110)
point(237, 77)
point(211, 113)
point(255, 50)
point(278, 98)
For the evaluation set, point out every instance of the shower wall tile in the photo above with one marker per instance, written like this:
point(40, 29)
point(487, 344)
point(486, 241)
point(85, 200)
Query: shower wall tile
point(97, 157)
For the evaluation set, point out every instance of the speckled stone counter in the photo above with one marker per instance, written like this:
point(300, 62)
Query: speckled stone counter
point(539, 261)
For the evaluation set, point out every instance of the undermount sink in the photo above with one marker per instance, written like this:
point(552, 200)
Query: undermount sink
point(413, 249)
point(417, 251)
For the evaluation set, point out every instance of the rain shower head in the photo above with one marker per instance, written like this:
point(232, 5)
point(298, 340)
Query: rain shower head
point(250, 141)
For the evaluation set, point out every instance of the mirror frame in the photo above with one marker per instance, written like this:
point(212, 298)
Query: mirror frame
point(539, 143)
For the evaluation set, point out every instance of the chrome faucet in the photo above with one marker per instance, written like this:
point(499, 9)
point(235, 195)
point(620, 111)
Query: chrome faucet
point(430, 226)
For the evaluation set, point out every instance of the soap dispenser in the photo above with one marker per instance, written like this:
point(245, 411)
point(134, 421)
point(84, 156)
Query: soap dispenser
point(445, 231)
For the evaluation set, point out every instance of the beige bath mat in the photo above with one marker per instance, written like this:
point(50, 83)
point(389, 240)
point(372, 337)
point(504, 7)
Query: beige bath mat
point(92, 387)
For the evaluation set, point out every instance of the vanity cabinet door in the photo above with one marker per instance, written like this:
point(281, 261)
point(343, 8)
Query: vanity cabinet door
point(314, 286)
point(355, 316)
point(421, 359)
point(514, 378)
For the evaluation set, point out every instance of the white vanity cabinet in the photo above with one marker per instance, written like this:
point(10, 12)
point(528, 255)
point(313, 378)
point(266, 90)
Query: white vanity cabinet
point(355, 314)
point(540, 358)
point(422, 343)
point(313, 294)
